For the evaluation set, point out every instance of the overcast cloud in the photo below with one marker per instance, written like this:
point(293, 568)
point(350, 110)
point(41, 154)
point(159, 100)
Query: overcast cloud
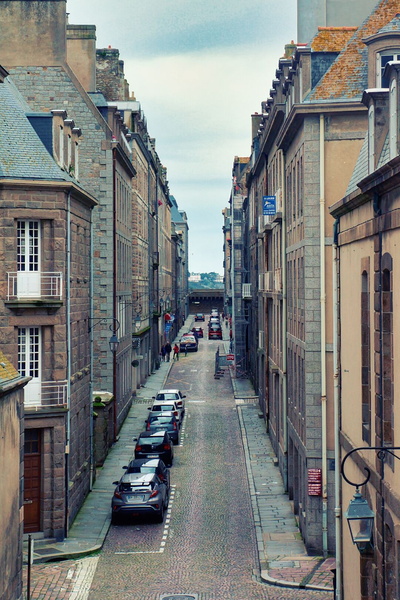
point(199, 68)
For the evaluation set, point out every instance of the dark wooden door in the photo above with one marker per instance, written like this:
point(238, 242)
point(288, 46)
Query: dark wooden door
point(32, 480)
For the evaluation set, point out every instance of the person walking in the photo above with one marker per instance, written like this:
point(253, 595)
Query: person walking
point(163, 353)
point(176, 352)
point(168, 350)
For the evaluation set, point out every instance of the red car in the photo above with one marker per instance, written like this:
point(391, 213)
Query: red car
point(214, 332)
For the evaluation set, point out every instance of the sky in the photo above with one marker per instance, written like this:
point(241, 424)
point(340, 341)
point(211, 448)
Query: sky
point(200, 69)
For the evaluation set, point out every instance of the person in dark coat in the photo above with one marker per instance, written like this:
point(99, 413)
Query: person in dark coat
point(168, 350)
point(163, 353)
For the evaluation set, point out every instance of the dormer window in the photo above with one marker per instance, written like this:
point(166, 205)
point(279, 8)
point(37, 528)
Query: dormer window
point(382, 59)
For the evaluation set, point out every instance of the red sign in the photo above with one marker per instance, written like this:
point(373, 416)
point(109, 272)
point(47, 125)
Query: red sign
point(230, 357)
point(315, 482)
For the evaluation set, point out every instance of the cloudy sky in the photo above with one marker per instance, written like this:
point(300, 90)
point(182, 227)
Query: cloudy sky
point(199, 68)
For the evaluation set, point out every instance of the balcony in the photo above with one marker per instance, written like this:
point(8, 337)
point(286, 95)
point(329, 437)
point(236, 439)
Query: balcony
point(45, 394)
point(246, 291)
point(33, 289)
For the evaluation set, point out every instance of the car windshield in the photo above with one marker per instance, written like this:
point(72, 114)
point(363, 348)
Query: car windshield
point(141, 469)
point(162, 407)
point(152, 439)
point(161, 420)
point(168, 396)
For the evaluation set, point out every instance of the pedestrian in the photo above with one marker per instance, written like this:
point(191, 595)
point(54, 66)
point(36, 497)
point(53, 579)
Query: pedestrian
point(186, 349)
point(176, 352)
point(168, 350)
point(163, 352)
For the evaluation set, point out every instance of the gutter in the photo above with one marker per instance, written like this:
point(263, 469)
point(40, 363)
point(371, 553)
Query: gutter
point(323, 334)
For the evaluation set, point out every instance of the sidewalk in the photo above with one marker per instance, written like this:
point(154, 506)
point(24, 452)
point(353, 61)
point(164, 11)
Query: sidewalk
point(283, 557)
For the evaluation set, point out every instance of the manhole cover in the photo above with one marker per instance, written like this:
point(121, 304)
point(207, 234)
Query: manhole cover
point(179, 597)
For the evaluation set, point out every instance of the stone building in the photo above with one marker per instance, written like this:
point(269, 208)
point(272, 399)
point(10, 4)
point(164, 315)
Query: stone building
point(367, 255)
point(46, 224)
point(98, 157)
point(309, 135)
point(11, 464)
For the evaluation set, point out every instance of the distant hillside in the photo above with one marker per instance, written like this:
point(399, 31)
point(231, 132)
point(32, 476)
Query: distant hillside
point(209, 281)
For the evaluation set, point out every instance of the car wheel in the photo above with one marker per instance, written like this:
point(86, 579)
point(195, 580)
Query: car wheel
point(160, 515)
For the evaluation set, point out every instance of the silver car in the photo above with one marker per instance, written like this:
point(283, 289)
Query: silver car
point(139, 494)
point(171, 394)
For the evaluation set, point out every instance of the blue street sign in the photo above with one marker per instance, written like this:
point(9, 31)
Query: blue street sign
point(269, 205)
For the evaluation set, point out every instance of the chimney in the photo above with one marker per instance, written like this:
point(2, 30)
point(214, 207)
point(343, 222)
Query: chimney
point(33, 33)
point(81, 54)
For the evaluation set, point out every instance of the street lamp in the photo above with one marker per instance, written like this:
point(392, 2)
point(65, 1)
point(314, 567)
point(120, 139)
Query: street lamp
point(138, 322)
point(114, 341)
point(360, 519)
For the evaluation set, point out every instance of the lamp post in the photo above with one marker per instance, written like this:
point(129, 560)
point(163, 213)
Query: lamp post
point(113, 344)
point(359, 515)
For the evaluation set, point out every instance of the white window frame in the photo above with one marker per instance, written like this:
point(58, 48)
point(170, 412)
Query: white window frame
point(371, 139)
point(393, 133)
point(390, 54)
point(29, 362)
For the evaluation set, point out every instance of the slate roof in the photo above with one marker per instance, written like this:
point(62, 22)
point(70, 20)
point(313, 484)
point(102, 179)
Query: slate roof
point(331, 39)
point(361, 168)
point(22, 154)
point(347, 78)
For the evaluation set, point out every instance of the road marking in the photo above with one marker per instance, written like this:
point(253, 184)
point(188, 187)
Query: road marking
point(165, 534)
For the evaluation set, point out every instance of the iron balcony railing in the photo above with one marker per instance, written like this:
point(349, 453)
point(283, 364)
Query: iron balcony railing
point(35, 286)
point(46, 393)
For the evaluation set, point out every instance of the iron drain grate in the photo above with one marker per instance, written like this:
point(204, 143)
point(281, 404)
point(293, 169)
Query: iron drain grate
point(179, 597)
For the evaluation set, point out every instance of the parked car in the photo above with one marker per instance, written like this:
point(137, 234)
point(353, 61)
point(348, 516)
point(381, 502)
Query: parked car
point(198, 331)
point(164, 422)
point(189, 343)
point(171, 394)
point(155, 444)
point(214, 320)
point(214, 332)
point(199, 317)
point(140, 494)
point(149, 465)
point(161, 407)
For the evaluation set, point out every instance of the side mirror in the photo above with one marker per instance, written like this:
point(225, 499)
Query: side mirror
point(134, 439)
point(149, 408)
point(183, 396)
point(115, 482)
point(125, 467)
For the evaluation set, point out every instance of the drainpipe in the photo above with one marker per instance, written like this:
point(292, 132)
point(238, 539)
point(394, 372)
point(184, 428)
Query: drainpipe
point(336, 401)
point(284, 323)
point(114, 299)
point(68, 319)
point(323, 334)
point(91, 275)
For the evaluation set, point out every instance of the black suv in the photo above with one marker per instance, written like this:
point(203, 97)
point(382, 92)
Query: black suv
point(155, 444)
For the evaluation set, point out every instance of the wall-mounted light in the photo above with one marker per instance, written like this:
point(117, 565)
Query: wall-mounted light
point(114, 341)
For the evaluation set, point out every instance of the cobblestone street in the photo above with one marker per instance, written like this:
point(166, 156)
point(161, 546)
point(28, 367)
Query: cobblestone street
point(207, 546)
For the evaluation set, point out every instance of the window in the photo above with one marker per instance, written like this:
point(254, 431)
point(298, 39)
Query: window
point(29, 358)
point(371, 139)
point(365, 359)
point(383, 58)
point(393, 120)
